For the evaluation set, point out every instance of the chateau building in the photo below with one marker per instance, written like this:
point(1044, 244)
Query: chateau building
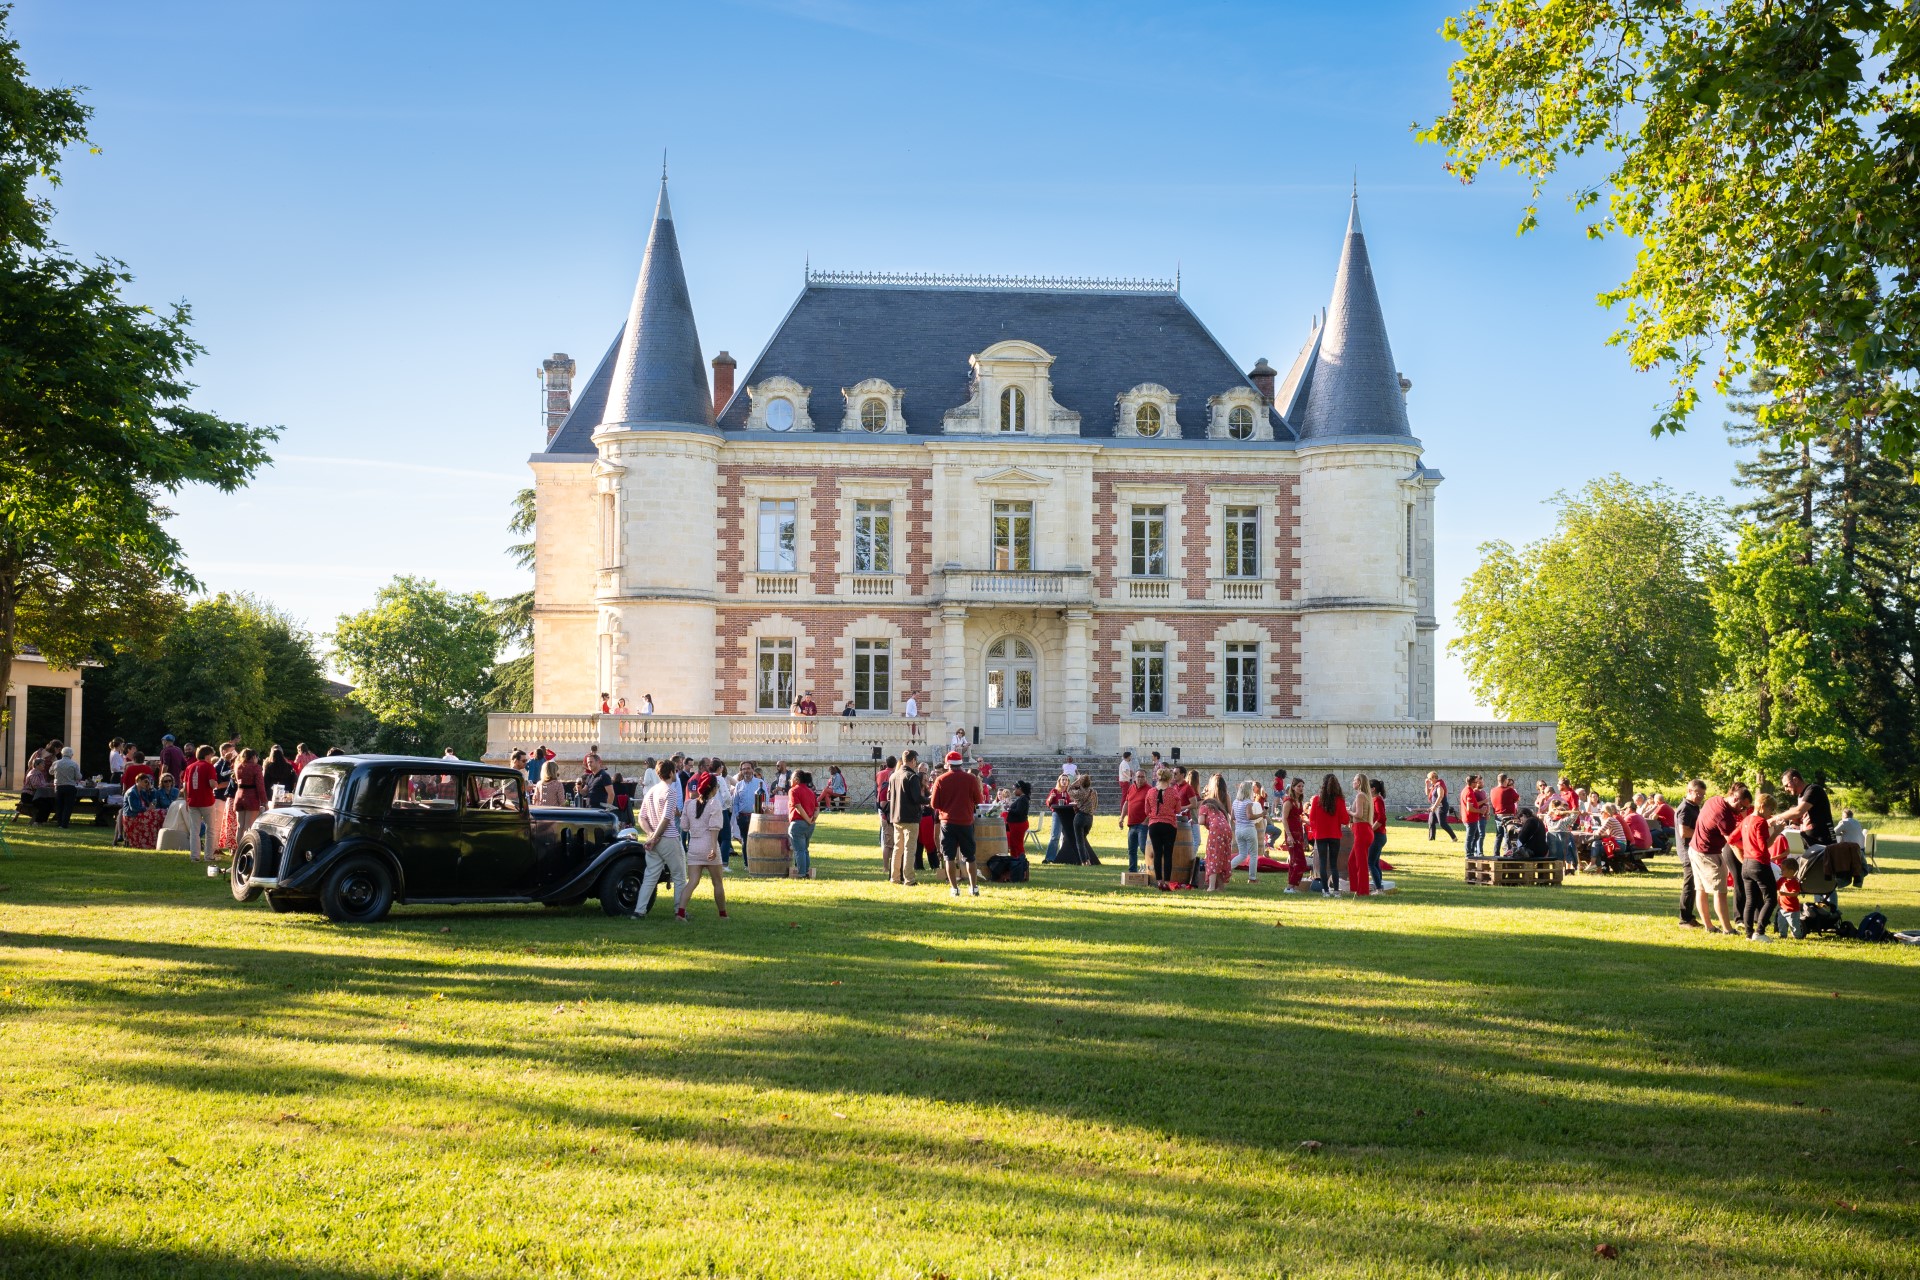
point(1053, 511)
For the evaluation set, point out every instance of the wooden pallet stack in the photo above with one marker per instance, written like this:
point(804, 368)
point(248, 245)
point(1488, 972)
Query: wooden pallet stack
point(1514, 871)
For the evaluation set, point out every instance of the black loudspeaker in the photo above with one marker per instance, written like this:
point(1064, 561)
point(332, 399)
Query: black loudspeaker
point(1176, 755)
point(876, 755)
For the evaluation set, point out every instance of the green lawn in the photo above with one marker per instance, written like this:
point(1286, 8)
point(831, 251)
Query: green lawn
point(848, 1078)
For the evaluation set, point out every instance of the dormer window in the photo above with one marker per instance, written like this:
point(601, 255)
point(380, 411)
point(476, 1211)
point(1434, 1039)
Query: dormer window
point(779, 404)
point(1146, 420)
point(1239, 414)
point(1240, 423)
point(873, 415)
point(1013, 409)
point(1147, 412)
point(780, 414)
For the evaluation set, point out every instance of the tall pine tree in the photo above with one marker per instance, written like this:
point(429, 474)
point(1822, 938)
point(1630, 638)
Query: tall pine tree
point(1855, 519)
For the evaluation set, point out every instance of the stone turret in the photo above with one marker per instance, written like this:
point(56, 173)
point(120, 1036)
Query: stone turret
point(658, 483)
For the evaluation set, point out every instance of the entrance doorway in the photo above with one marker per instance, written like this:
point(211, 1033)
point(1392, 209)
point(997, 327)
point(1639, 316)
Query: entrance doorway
point(1012, 689)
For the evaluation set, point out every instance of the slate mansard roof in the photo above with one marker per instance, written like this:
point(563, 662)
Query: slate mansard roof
point(918, 337)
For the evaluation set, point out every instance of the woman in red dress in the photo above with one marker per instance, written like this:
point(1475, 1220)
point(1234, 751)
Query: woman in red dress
point(1293, 821)
point(1216, 814)
point(249, 791)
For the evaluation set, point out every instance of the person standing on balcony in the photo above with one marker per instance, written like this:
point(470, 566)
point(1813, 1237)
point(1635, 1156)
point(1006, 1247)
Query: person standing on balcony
point(912, 709)
point(646, 704)
point(606, 704)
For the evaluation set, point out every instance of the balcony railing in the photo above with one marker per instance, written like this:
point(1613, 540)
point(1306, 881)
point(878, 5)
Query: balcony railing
point(1149, 589)
point(777, 584)
point(1017, 586)
point(624, 740)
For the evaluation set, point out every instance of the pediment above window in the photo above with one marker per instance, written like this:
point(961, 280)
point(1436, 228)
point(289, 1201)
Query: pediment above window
point(779, 404)
point(1013, 476)
point(1012, 395)
point(1147, 412)
point(873, 408)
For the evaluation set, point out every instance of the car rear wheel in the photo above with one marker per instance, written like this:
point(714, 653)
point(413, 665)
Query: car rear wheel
point(245, 858)
point(358, 891)
point(620, 883)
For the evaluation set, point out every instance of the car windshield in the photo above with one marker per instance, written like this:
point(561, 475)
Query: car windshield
point(320, 784)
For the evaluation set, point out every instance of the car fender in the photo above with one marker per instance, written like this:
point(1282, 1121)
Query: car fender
point(308, 877)
point(584, 880)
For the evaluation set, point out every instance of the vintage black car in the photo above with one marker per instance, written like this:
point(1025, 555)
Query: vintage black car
point(365, 832)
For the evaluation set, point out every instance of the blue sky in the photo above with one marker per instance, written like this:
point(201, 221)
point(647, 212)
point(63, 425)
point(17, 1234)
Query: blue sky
point(386, 214)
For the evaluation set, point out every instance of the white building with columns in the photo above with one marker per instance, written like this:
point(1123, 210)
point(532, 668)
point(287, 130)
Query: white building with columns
point(1056, 513)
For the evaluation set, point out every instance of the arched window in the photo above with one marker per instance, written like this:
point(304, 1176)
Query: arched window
point(1240, 423)
point(1013, 409)
point(873, 415)
point(1146, 420)
point(780, 415)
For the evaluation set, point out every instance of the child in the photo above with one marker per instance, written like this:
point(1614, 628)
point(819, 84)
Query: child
point(1788, 914)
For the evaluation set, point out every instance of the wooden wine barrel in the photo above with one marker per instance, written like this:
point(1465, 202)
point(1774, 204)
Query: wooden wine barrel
point(769, 851)
point(989, 839)
point(1183, 852)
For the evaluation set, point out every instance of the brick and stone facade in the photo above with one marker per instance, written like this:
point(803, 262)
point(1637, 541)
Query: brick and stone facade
point(1046, 510)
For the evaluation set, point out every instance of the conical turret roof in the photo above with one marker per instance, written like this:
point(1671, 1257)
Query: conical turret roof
point(658, 376)
point(1354, 385)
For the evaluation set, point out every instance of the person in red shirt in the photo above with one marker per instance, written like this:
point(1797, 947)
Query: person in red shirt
point(803, 811)
point(1473, 812)
point(1379, 835)
point(137, 768)
point(1505, 798)
point(1719, 817)
point(1133, 819)
point(956, 794)
point(1163, 818)
point(1327, 816)
point(1762, 848)
point(197, 783)
point(1359, 880)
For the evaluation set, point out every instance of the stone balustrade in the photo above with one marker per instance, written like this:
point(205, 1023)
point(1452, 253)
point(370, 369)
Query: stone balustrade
point(1398, 743)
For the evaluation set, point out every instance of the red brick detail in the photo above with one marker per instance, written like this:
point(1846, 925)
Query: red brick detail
point(1286, 539)
point(910, 540)
point(1196, 533)
point(1193, 696)
point(1110, 528)
point(824, 628)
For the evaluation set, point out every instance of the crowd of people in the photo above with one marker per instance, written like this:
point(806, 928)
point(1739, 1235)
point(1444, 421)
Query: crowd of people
point(210, 792)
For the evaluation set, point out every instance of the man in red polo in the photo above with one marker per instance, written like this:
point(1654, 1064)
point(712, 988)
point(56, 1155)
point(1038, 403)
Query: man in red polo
point(956, 794)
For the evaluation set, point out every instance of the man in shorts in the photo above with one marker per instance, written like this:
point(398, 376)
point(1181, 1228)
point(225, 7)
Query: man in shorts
point(956, 794)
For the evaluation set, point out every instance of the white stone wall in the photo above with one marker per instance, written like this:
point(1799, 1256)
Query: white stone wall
point(565, 564)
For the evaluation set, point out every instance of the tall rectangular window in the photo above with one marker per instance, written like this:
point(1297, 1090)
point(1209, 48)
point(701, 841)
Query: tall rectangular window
point(1149, 679)
point(1409, 568)
point(873, 676)
point(1242, 542)
point(779, 535)
point(774, 683)
point(1013, 535)
point(873, 537)
point(1243, 679)
point(1149, 558)
point(609, 531)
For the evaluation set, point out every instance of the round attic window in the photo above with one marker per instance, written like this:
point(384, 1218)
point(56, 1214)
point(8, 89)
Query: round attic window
point(1240, 423)
point(780, 415)
point(1146, 420)
point(873, 415)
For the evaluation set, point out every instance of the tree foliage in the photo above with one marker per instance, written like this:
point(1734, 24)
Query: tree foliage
point(95, 410)
point(1605, 626)
point(1853, 514)
point(421, 662)
point(512, 688)
point(1765, 156)
point(1784, 623)
point(230, 666)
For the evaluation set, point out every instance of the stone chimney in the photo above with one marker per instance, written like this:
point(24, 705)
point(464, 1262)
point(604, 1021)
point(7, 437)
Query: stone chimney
point(723, 367)
point(1262, 375)
point(556, 391)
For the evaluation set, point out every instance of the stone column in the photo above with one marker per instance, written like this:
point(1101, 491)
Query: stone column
point(1077, 677)
point(953, 670)
point(73, 714)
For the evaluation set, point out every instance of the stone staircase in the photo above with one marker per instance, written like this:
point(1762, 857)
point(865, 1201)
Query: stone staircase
point(1040, 769)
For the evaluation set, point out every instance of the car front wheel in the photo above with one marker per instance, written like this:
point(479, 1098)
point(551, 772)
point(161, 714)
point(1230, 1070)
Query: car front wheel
point(358, 891)
point(245, 859)
point(620, 886)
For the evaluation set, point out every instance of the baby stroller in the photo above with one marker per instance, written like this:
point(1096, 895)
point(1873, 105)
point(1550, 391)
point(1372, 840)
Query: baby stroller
point(1822, 872)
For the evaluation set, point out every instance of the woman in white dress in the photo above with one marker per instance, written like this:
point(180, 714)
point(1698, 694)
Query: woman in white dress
point(702, 819)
